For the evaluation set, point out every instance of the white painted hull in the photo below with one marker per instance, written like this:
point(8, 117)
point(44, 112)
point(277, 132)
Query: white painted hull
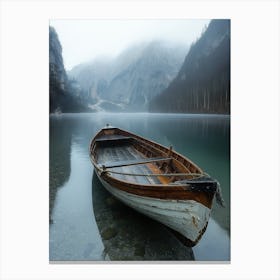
point(187, 217)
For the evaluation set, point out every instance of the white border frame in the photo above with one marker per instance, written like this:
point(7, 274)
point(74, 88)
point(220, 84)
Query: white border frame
point(255, 138)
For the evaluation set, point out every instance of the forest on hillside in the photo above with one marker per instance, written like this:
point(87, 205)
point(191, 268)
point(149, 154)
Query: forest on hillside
point(203, 83)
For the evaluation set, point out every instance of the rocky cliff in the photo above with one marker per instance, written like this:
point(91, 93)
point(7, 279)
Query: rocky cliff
point(63, 95)
point(203, 82)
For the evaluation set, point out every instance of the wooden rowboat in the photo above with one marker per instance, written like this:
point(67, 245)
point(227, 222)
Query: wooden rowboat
point(154, 180)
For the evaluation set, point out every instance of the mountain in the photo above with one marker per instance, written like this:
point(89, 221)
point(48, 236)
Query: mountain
point(203, 82)
point(91, 77)
point(64, 96)
point(132, 79)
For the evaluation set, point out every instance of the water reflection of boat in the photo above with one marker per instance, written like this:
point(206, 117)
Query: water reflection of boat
point(128, 235)
point(154, 180)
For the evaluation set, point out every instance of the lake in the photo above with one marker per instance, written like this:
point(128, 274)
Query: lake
point(88, 224)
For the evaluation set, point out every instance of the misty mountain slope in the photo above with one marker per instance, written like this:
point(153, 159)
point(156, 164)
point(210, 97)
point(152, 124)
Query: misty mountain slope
point(203, 82)
point(133, 78)
point(62, 94)
point(92, 77)
point(146, 77)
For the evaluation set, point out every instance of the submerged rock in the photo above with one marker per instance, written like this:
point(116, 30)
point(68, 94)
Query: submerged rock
point(111, 201)
point(139, 250)
point(109, 233)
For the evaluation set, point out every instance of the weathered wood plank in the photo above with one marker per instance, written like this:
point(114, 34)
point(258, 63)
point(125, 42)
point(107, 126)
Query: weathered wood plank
point(127, 159)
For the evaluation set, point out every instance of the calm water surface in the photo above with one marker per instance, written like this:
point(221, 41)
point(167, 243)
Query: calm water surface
point(88, 224)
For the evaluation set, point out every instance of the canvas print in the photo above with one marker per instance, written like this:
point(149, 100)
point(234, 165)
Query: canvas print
point(139, 140)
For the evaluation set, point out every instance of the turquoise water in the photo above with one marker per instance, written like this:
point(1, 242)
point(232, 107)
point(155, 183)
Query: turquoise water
point(78, 219)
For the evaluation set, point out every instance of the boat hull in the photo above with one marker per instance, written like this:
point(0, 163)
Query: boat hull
point(187, 217)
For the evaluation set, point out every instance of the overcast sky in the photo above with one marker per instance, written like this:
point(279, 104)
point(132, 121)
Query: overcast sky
point(83, 40)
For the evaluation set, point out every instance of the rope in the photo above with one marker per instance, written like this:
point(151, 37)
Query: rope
point(153, 175)
point(219, 196)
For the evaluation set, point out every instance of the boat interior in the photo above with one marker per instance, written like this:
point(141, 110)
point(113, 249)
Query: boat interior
point(123, 154)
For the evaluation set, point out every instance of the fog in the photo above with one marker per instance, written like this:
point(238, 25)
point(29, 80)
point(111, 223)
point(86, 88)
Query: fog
point(84, 40)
